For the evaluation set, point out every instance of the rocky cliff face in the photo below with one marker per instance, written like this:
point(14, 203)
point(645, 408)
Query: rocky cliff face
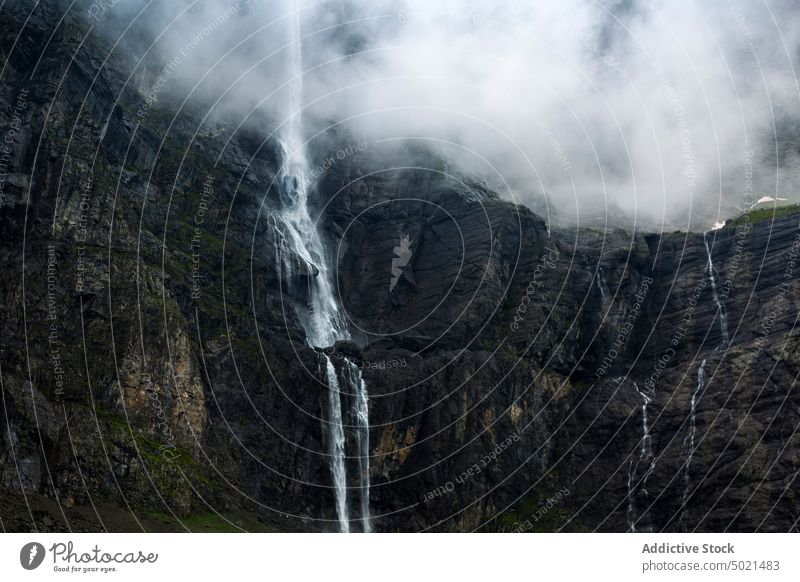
point(155, 373)
point(503, 330)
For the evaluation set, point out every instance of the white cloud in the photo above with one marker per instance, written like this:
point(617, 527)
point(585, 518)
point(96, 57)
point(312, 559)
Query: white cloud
point(652, 106)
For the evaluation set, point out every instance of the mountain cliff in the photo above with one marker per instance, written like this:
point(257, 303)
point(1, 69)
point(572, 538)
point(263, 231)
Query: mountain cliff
point(522, 377)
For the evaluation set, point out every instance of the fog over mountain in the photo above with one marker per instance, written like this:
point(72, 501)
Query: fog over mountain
point(663, 110)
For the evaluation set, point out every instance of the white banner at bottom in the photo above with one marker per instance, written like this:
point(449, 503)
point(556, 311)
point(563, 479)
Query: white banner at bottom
point(399, 557)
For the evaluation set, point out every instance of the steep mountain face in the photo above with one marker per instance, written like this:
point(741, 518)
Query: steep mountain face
point(502, 330)
point(155, 373)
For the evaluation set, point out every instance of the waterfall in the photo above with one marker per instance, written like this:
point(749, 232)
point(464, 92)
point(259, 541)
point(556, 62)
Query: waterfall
point(336, 445)
point(646, 446)
point(689, 440)
point(646, 458)
point(362, 440)
point(723, 318)
point(296, 231)
point(631, 500)
point(299, 244)
point(601, 283)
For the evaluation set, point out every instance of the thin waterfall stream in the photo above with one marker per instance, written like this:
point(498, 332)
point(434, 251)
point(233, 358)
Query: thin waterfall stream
point(723, 318)
point(601, 284)
point(362, 440)
point(690, 437)
point(336, 445)
point(646, 458)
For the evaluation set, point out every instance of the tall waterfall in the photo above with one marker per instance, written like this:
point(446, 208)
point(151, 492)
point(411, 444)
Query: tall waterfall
point(723, 318)
point(689, 441)
point(322, 318)
point(298, 243)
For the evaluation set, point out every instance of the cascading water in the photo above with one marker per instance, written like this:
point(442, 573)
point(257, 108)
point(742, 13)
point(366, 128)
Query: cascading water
point(646, 458)
point(336, 444)
point(689, 440)
point(298, 243)
point(362, 440)
point(297, 232)
point(601, 283)
point(631, 500)
point(723, 318)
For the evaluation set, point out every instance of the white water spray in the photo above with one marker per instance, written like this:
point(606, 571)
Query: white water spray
point(723, 318)
point(296, 233)
point(297, 238)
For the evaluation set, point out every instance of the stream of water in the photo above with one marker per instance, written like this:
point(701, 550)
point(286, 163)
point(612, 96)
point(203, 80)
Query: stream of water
point(298, 237)
point(689, 441)
point(646, 459)
point(723, 318)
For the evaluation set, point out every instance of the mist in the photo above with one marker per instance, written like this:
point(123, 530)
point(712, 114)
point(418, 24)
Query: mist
point(641, 114)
